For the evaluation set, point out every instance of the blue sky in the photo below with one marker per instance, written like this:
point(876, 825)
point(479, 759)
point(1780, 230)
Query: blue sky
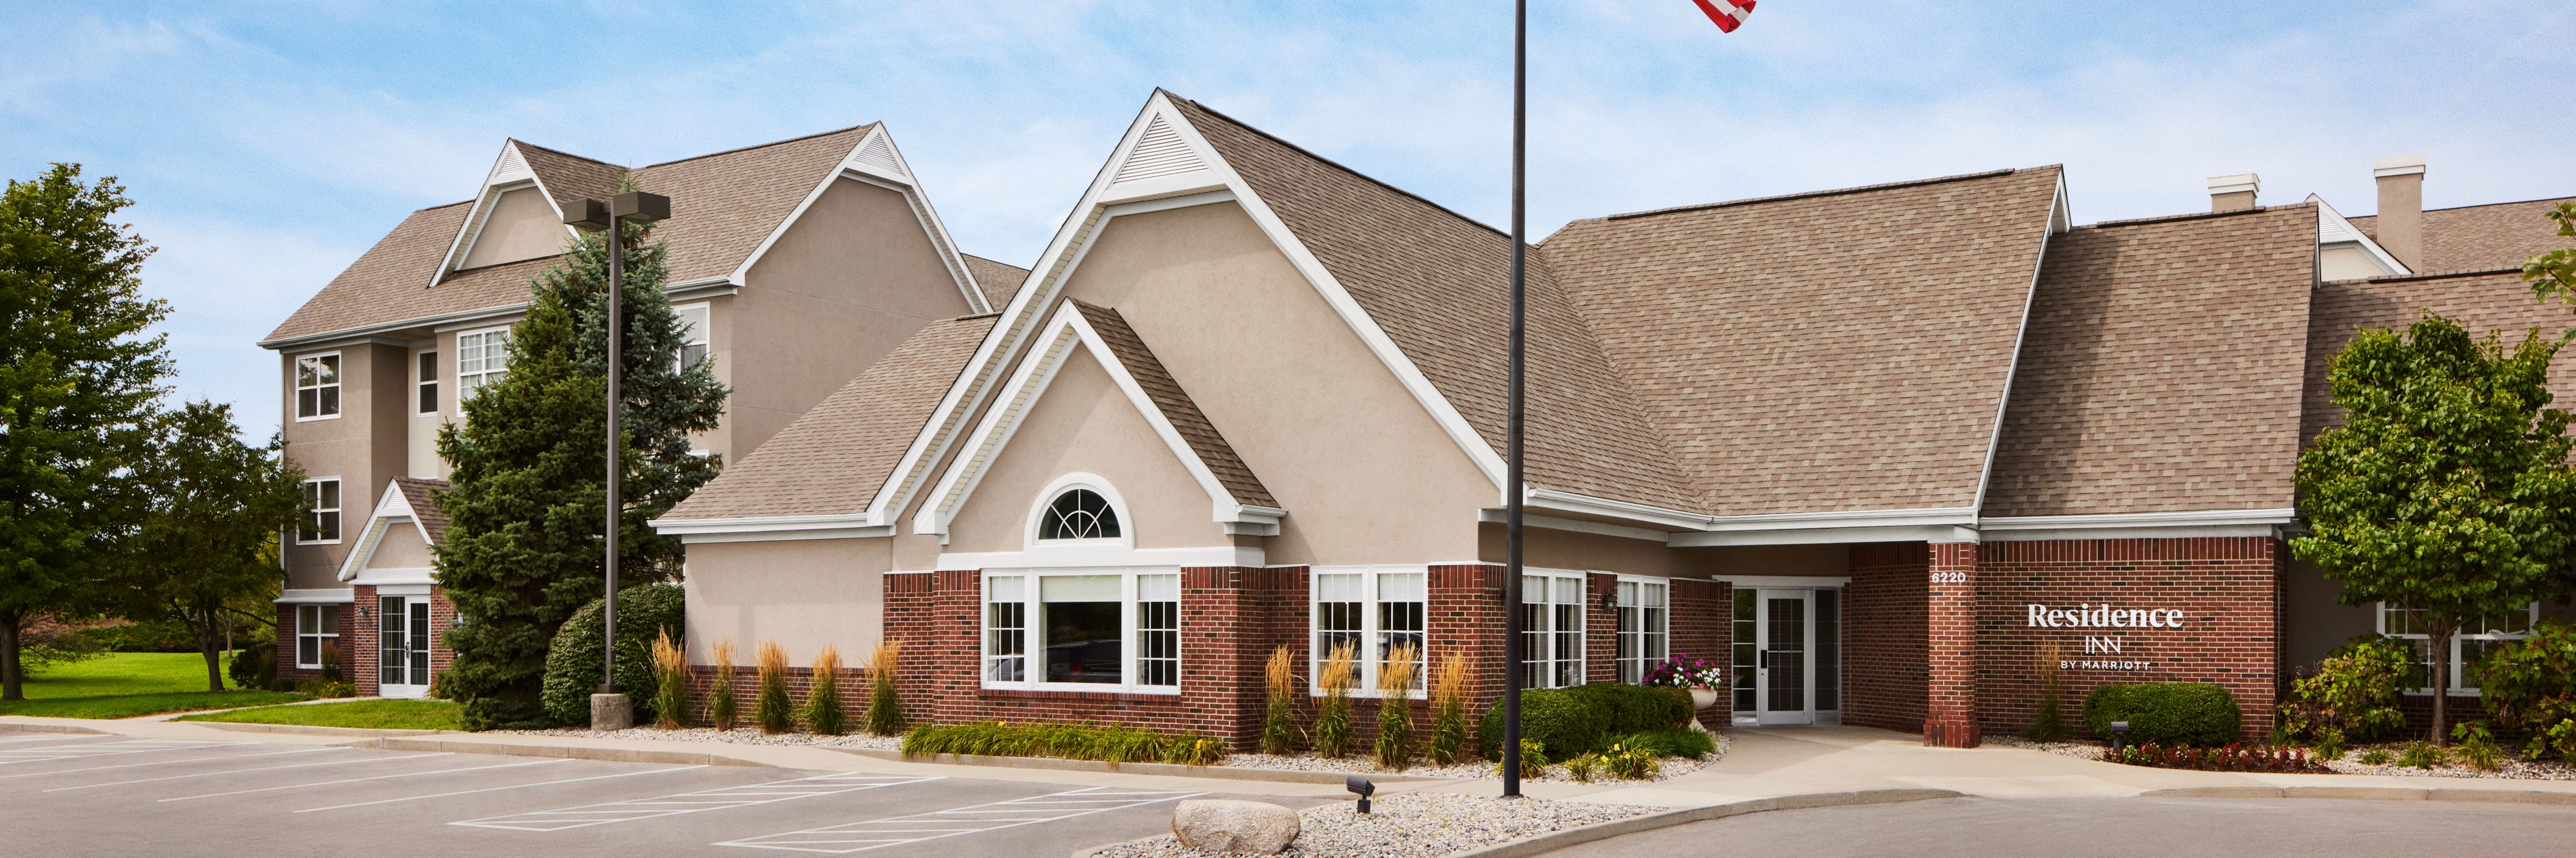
point(270, 143)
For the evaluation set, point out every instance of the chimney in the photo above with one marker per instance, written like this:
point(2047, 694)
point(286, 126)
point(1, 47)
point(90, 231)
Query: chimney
point(2233, 193)
point(2401, 207)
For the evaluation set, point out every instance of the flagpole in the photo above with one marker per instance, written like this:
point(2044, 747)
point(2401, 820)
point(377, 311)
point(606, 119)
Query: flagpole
point(1513, 656)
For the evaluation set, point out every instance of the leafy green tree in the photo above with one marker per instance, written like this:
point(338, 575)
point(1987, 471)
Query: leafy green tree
point(2553, 274)
point(2447, 491)
point(78, 375)
point(209, 527)
point(523, 545)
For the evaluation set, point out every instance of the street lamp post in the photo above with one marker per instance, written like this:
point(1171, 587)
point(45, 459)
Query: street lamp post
point(592, 214)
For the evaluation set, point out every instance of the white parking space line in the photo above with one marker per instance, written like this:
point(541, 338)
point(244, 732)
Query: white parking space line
point(258, 769)
point(222, 759)
point(689, 802)
point(59, 737)
point(500, 788)
point(374, 778)
point(971, 819)
point(13, 756)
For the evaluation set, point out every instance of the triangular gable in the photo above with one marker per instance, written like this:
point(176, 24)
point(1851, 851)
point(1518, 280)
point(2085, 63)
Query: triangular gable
point(394, 509)
point(1236, 498)
point(2333, 229)
point(875, 160)
point(1184, 169)
point(513, 169)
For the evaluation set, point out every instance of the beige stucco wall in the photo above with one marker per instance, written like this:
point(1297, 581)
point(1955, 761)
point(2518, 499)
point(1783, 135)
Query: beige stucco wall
point(800, 593)
point(365, 447)
point(2345, 263)
point(402, 548)
point(420, 447)
point(1084, 423)
point(522, 226)
point(1364, 472)
point(851, 280)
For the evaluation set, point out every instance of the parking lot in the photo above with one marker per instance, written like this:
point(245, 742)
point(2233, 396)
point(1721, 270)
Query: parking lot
point(113, 795)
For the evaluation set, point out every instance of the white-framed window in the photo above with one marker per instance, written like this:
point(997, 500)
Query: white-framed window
point(2468, 645)
point(694, 340)
point(317, 627)
point(1551, 629)
point(1083, 630)
point(322, 525)
point(481, 357)
point(1078, 514)
point(425, 378)
point(317, 386)
point(1645, 625)
point(1375, 610)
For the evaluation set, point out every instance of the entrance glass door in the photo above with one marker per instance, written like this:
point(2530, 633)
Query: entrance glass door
point(402, 646)
point(1788, 655)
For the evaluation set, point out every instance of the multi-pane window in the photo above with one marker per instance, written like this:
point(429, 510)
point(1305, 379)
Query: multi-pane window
point(481, 357)
point(322, 525)
point(1747, 649)
point(693, 333)
point(1079, 514)
point(317, 630)
point(1645, 625)
point(317, 386)
point(2469, 644)
point(1376, 611)
point(1552, 630)
point(1088, 629)
point(426, 382)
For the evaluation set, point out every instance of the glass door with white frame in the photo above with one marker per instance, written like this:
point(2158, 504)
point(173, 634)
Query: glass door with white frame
point(1788, 655)
point(402, 646)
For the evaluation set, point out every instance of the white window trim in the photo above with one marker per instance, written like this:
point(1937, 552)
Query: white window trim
point(342, 509)
point(296, 399)
point(1666, 633)
point(1371, 628)
point(678, 310)
point(304, 629)
point(2459, 679)
point(431, 383)
point(1582, 612)
point(1033, 638)
point(457, 362)
point(1038, 509)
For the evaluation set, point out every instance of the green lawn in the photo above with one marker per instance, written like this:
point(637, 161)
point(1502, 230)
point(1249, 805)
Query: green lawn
point(375, 714)
point(131, 684)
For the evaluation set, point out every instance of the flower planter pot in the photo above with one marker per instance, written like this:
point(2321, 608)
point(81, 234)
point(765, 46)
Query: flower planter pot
point(1702, 698)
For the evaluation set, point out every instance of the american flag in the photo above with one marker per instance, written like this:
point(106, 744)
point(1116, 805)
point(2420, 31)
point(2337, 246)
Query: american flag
point(1729, 14)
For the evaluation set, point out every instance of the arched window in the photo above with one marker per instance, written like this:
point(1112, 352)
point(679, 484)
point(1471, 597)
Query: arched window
point(1079, 514)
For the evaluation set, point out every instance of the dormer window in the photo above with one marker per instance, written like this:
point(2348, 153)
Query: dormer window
point(1079, 514)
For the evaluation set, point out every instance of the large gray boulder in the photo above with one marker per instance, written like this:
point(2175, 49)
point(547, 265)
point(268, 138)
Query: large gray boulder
point(1228, 825)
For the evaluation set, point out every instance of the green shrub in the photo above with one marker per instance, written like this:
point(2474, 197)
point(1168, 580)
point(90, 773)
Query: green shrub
point(2531, 684)
point(254, 666)
point(1064, 741)
point(2375, 757)
point(1631, 763)
point(1566, 720)
point(2353, 694)
point(1639, 708)
point(644, 612)
point(2477, 746)
point(2420, 755)
point(2166, 713)
point(823, 710)
point(147, 636)
point(1669, 742)
point(1533, 759)
point(2329, 747)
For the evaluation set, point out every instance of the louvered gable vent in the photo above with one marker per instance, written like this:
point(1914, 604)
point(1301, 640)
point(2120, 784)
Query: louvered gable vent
point(879, 153)
point(1160, 152)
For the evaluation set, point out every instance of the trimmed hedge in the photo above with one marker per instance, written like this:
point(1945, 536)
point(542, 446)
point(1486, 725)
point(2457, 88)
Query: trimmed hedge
point(572, 662)
point(2166, 713)
point(1570, 721)
point(1064, 741)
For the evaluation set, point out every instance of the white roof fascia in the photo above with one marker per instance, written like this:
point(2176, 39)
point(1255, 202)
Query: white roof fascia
point(493, 183)
point(2021, 331)
point(2333, 229)
point(317, 596)
point(2150, 525)
point(391, 509)
point(769, 528)
point(699, 288)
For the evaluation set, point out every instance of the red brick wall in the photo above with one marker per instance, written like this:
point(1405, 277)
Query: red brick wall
point(2226, 588)
point(1600, 629)
point(852, 689)
point(1466, 618)
point(1703, 614)
point(1950, 651)
point(1884, 647)
point(286, 645)
point(358, 638)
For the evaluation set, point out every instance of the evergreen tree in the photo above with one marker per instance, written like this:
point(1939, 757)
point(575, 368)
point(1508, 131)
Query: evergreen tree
point(525, 508)
point(78, 375)
point(207, 535)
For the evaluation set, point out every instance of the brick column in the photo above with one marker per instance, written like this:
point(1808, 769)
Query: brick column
point(1702, 624)
point(1600, 628)
point(1951, 663)
point(1466, 607)
point(358, 659)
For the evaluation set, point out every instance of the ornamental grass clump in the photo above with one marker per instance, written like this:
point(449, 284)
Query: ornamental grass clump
point(823, 709)
point(772, 709)
point(2049, 724)
point(671, 686)
point(1395, 707)
point(721, 707)
point(885, 704)
point(1449, 711)
point(1333, 717)
point(1279, 713)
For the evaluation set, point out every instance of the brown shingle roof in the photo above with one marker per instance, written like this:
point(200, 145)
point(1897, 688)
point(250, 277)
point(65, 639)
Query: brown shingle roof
point(1184, 414)
point(1842, 351)
point(2483, 238)
point(832, 460)
point(2160, 368)
point(421, 494)
point(998, 280)
point(2480, 302)
point(722, 207)
point(1438, 284)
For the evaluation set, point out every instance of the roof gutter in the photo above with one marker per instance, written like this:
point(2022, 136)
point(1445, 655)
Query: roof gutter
point(698, 288)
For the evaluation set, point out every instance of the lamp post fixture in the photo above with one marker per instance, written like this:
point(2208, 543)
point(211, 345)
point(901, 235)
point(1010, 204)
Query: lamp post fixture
point(589, 214)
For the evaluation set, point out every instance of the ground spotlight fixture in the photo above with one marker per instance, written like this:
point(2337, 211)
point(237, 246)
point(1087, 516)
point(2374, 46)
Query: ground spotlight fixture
point(2119, 735)
point(1361, 787)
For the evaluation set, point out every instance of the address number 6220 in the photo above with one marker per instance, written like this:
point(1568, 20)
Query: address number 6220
point(1949, 577)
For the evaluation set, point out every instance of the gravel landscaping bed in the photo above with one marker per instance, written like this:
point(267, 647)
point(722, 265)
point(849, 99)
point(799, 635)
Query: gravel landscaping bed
point(1411, 825)
point(737, 736)
point(2510, 766)
point(1481, 769)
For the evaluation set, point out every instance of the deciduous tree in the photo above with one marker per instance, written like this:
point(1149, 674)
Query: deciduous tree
point(209, 528)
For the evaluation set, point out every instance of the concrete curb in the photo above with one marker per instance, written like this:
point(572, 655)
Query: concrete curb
point(1164, 769)
point(310, 730)
point(1539, 844)
point(2360, 793)
point(613, 755)
point(31, 727)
